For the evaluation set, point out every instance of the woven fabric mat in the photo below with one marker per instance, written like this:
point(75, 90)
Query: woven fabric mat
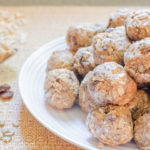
point(44, 24)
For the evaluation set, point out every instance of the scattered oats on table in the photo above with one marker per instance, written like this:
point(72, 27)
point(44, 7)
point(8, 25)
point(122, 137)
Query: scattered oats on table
point(7, 139)
point(8, 132)
point(10, 33)
point(2, 123)
point(1, 135)
point(15, 124)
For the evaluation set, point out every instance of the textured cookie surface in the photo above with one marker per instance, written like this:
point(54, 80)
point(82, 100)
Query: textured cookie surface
point(139, 103)
point(61, 59)
point(61, 88)
point(81, 35)
point(83, 60)
point(138, 24)
point(118, 18)
point(110, 45)
point(107, 84)
point(112, 125)
point(137, 63)
point(86, 100)
point(142, 132)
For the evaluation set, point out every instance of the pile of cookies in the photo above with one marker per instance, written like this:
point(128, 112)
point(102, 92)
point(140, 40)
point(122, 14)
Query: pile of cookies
point(107, 70)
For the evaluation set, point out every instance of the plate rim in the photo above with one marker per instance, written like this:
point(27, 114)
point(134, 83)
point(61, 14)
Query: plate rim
point(44, 124)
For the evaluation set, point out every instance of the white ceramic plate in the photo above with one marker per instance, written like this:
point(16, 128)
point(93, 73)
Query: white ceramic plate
point(68, 124)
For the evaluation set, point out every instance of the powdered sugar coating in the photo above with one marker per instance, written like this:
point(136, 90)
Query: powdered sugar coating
point(118, 18)
point(137, 63)
point(81, 35)
point(83, 60)
point(86, 101)
point(138, 24)
point(142, 132)
point(107, 84)
point(110, 45)
point(60, 59)
point(61, 88)
point(138, 103)
point(112, 125)
point(145, 109)
point(140, 98)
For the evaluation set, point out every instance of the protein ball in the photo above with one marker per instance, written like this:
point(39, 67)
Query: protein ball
point(118, 18)
point(62, 88)
point(83, 60)
point(138, 24)
point(110, 45)
point(86, 101)
point(142, 132)
point(81, 35)
point(137, 63)
point(145, 109)
point(138, 103)
point(61, 59)
point(107, 84)
point(112, 125)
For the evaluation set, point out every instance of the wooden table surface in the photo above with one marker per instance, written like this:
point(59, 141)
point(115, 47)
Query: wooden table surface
point(44, 24)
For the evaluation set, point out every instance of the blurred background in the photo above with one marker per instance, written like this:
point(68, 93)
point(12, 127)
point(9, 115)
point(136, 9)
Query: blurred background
point(77, 2)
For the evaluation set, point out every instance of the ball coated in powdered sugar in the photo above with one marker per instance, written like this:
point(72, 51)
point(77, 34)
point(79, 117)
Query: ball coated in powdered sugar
point(138, 24)
point(137, 63)
point(61, 59)
point(138, 104)
point(142, 132)
point(81, 35)
point(145, 109)
point(110, 45)
point(83, 60)
point(118, 18)
point(86, 100)
point(61, 88)
point(112, 125)
point(107, 84)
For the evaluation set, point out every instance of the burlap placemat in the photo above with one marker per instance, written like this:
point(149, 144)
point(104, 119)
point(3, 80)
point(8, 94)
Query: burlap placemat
point(44, 24)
